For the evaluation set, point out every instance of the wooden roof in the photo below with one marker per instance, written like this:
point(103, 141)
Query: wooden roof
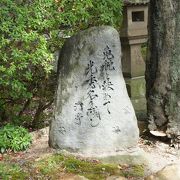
point(135, 2)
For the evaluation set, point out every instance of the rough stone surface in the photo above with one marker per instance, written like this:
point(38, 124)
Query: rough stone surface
point(170, 172)
point(93, 115)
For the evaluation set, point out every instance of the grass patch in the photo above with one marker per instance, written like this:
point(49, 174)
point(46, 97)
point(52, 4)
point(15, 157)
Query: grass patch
point(50, 165)
point(92, 170)
point(54, 166)
point(12, 171)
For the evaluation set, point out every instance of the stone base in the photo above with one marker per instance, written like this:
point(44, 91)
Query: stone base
point(135, 156)
point(138, 157)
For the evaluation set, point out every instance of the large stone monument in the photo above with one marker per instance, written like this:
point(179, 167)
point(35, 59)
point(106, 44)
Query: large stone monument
point(93, 113)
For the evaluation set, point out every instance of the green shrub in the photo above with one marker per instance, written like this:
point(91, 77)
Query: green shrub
point(30, 32)
point(14, 138)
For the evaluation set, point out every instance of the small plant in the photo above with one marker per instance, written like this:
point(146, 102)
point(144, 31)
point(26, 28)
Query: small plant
point(14, 138)
point(144, 50)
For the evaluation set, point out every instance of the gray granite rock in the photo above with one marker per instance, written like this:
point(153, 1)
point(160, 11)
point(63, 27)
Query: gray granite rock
point(93, 114)
point(170, 172)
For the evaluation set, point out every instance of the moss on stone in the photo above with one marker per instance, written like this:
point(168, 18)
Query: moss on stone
point(89, 169)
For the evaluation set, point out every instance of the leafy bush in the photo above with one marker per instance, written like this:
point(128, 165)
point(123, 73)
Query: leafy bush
point(30, 32)
point(14, 138)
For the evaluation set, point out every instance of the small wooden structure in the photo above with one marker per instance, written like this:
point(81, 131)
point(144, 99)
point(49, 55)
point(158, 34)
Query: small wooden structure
point(133, 35)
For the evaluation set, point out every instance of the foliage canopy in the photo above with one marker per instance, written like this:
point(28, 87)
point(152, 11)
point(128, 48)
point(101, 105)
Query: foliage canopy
point(30, 32)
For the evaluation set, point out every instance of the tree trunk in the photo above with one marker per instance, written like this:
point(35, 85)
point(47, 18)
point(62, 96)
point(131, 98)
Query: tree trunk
point(163, 66)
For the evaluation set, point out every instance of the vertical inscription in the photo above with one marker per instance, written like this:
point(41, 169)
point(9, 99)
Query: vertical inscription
point(106, 67)
point(93, 86)
point(92, 111)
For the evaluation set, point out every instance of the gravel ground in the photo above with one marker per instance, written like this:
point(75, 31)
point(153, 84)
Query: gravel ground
point(160, 153)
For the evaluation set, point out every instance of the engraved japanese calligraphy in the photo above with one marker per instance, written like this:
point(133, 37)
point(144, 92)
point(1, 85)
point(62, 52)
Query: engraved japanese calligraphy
point(106, 67)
